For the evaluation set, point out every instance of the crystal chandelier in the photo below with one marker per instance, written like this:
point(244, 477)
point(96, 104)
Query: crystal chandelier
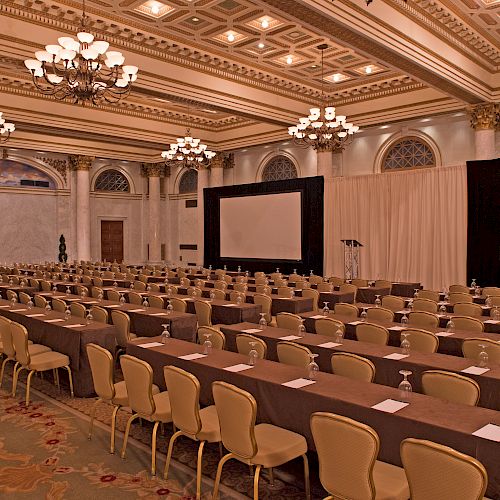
point(82, 70)
point(188, 152)
point(5, 129)
point(322, 129)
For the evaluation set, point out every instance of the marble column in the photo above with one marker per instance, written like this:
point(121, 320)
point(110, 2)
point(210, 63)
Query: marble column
point(484, 120)
point(325, 163)
point(153, 171)
point(217, 170)
point(82, 166)
point(202, 184)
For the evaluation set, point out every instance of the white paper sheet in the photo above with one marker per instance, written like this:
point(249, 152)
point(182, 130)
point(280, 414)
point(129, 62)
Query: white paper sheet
point(113, 306)
point(35, 315)
point(136, 310)
point(74, 326)
point(489, 431)
point(298, 383)
point(396, 328)
point(404, 311)
point(329, 345)
point(230, 305)
point(290, 337)
point(238, 368)
point(57, 320)
point(18, 310)
point(444, 334)
point(4, 307)
point(475, 370)
point(195, 355)
point(396, 356)
point(355, 323)
point(159, 314)
point(318, 316)
point(150, 344)
point(390, 406)
point(251, 330)
point(492, 321)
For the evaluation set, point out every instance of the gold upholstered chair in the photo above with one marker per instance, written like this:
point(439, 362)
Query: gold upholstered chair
point(353, 366)
point(393, 302)
point(458, 289)
point(309, 293)
point(99, 314)
point(58, 305)
point(468, 309)
point(374, 334)
point(472, 347)
point(422, 340)
point(244, 341)
point(451, 387)
point(423, 304)
point(428, 294)
point(456, 297)
point(329, 326)
point(156, 302)
point(290, 353)
point(379, 314)
point(288, 320)
point(262, 445)
point(78, 310)
point(344, 309)
point(265, 302)
point(216, 337)
point(467, 323)
point(423, 319)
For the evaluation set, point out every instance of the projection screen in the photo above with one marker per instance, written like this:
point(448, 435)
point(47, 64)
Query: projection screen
point(261, 226)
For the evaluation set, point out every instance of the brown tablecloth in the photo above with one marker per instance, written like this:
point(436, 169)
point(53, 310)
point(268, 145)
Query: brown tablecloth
point(369, 293)
point(15, 288)
point(387, 370)
point(69, 341)
point(425, 417)
point(405, 289)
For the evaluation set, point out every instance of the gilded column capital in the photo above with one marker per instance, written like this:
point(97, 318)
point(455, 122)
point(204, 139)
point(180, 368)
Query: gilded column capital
point(153, 169)
point(218, 160)
point(80, 162)
point(484, 116)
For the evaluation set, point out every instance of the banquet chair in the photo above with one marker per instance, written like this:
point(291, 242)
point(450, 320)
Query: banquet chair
point(46, 286)
point(348, 466)
point(423, 319)
point(471, 349)
point(259, 274)
point(352, 366)
point(115, 394)
point(264, 289)
point(179, 305)
point(393, 302)
point(96, 292)
point(428, 305)
point(288, 320)
point(81, 289)
point(371, 333)
point(309, 293)
point(437, 472)
point(460, 297)
point(383, 284)
point(135, 298)
point(348, 288)
point(24, 298)
point(265, 302)
point(492, 291)
point(218, 294)
point(280, 282)
point(220, 285)
point(109, 274)
point(467, 323)
point(129, 276)
point(451, 387)
point(217, 338)
point(262, 445)
point(123, 333)
point(458, 289)
point(98, 282)
point(324, 287)
point(428, 294)
point(143, 277)
point(41, 362)
point(345, 309)
point(360, 283)
point(156, 302)
point(302, 285)
point(328, 326)
point(467, 309)
point(422, 340)
point(203, 313)
point(78, 310)
point(153, 287)
point(86, 279)
point(290, 353)
point(172, 289)
point(58, 305)
point(40, 301)
point(294, 277)
point(99, 314)
point(261, 280)
point(285, 292)
point(336, 281)
point(234, 294)
point(314, 279)
point(34, 283)
point(139, 286)
point(201, 425)
point(227, 278)
point(12, 295)
point(240, 287)
point(275, 276)
point(379, 314)
point(193, 291)
point(113, 295)
point(143, 402)
point(119, 276)
point(243, 341)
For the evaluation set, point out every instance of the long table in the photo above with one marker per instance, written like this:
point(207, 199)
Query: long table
point(387, 370)
point(53, 331)
point(425, 417)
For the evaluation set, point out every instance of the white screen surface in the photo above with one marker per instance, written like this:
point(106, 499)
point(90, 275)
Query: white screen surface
point(261, 227)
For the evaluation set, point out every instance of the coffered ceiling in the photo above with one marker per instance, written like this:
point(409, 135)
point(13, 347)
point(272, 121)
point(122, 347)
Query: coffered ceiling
point(240, 71)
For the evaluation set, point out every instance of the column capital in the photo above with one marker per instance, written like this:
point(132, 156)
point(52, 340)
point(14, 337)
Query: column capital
point(153, 170)
point(80, 162)
point(218, 160)
point(484, 116)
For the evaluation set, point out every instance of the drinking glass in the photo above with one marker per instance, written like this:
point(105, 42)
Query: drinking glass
point(483, 357)
point(210, 267)
point(311, 273)
point(416, 293)
point(295, 271)
point(410, 304)
point(100, 297)
point(495, 314)
point(404, 319)
point(67, 314)
point(13, 301)
point(252, 354)
point(47, 309)
point(145, 303)
point(488, 302)
point(11, 282)
point(442, 309)
point(312, 367)
point(122, 298)
point(68, 290)
point(405, 343)
point(405, 388)
point(165, 281)
point(83, 294)
point(165, 334)
point(363, 314)
point(378, 302)
point(148, 288)
point(170, 307)
point(326, 310)
point(473, 283)
point(132, 285)
point(277, 269)
point(339, 335)
point(239, 300)
point(225, 267)
point(207, 345)
point(169, 291)
point(54, 289)
point(477, 291)
point(239, 269)
point(89, 318)
point(262, 320)
point(212, 295)
point(292, 294)
point(30, 304)
point(301, 329)
point(450, 326)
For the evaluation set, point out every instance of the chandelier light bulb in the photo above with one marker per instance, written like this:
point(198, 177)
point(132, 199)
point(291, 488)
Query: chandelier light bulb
point(265, 24)
point(6, 128)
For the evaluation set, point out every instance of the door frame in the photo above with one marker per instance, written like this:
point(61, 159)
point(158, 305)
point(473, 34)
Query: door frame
point(126, 239)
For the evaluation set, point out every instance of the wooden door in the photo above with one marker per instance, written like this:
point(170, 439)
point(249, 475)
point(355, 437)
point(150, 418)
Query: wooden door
point(112, 240)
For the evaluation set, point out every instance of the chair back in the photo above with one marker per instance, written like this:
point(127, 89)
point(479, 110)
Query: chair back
point(20, 341)
point(138, 377)
point(6, 337)
point(384, 284)
point(135, 298)
point(324, 287)
point(359, 282)
point(288, 320)
point(11, 295)
point(154, 287)
point(315, 279)
point(233, 296)
point(450, 386)
point(34, 283)
point(101, 365)
point(275, 276)
point(422, 340)
point(436, 472)
point(353, 366)
point(58, 305)
point(379, 314)
point(237, 434)
point(78, 310)
point(122, 323)
point(328, 326)
point(203, 313)
point(285, 291)
point(374, 334)
point(345, 309)
point(260, 280)
point(349, 288)
point(227, 278)
point(240, 287)
point(471, 349)
point(468, 323)
point(467, 309)
point(243, 341)
point(156, 302)
point(336, 281)
point(220, 285)
point(458, 289)
point(492, 291)
point(217, 338)
point(82, 289)
point(193, 291)
point(45, 286)
point(347, 451)
point(219, 294)
point(40, 301)
point(423, 318)
point(428, 294)
point(99, 314)
point(309, 293)
point(393, 302)
point(139, 286)
point(290, 353)
point(179, 305)
point(422, 304)
point(99, 283)
point(24, 298)
point(97, 291)
point(264, 289)
point(265, 302)
point(460, 297)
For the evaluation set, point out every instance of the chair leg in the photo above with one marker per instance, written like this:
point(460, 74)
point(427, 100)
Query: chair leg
point(221, 451)
point(15, 376)
point(113, 429)
point(169, 453)
point(256, 482)
point(198, 470)
point(28, 385)
point(92, 415)
point(306, 477)
point(153, 449)
point(271, 476)
point(222, 461)
point(127, 431)
point(70, 376)
point(4, 362)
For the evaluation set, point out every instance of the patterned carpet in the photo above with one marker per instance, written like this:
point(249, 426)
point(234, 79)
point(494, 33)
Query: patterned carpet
point(42, 446)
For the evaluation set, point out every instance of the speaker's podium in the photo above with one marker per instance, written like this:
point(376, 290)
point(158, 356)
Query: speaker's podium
point(351, 259)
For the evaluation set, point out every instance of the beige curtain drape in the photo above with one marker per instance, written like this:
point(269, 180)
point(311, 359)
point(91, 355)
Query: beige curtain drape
point(413, 225)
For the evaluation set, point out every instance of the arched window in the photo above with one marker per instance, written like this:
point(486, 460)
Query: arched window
point(408, 153)
point(112, 180)
point(188, 182)
point(279, 168)
point(17, 174)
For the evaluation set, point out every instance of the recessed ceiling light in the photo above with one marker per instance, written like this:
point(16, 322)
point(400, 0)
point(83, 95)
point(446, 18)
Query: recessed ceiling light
point(289, 60)
point(230, 37)
point(314, 66)
point(368, 70)
point(195, 19)
point(261, 45)
point(336, 78)
point(265, 24)
point(155, 9)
